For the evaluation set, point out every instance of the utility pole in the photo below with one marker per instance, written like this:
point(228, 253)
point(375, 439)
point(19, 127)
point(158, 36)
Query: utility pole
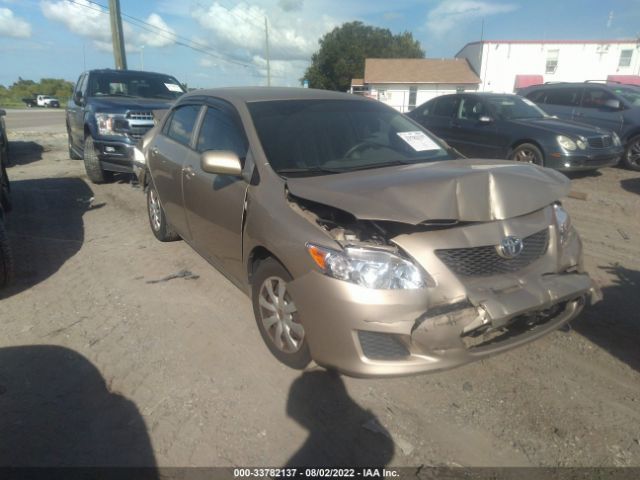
point(266, 32)
point(117, 37)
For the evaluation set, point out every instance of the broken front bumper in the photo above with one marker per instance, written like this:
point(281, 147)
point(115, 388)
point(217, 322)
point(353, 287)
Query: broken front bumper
point(364, 332)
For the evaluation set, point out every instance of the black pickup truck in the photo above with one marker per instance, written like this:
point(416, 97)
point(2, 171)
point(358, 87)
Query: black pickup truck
point(110, 110)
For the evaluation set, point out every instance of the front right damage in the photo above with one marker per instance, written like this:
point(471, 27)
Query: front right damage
point(476, 303)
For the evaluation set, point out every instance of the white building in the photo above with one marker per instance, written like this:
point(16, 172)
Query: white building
point(506, 65)
point(404, 83)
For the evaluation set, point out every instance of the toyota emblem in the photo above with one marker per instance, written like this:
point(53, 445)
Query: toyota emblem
point(510, 247)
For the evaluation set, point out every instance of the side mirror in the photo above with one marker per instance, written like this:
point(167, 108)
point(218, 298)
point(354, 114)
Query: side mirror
point(2, 112)
point(612, 104)
point(77, 97)
point(485, 119)
point(221, 162)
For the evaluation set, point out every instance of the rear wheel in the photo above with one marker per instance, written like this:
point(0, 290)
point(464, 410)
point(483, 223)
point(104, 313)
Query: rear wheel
point(528, 153)
point(632, 153)
point(277, 315)
point(157, 220)
point(92, 163)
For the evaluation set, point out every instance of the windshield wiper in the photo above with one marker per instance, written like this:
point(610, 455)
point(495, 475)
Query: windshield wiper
point(375, 165)
point(311, 170)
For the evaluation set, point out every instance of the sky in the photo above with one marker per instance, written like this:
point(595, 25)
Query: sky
point(62, 38)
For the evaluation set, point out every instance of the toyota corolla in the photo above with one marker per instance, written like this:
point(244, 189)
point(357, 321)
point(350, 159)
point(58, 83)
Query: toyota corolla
point(365, 243)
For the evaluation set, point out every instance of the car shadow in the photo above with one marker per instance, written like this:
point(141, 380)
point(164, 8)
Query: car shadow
point(45, 227)
point(341, 433)
point(57, 411)
point(614, 324)
point(23, 153)
point(631, 185)
point(583, 174)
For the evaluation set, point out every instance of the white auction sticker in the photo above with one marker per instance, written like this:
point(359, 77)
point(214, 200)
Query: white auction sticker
point(418, 141)
point(172, 87)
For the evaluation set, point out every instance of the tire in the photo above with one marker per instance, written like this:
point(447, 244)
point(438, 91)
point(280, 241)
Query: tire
point(631, 157)
point(92, 163)
point(72, 154)
point(527, 153)
point(6, 258)
point(157, 219)
point(295, 355)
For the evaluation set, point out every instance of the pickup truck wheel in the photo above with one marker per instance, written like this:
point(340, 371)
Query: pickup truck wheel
point(92, 163)
point(157, 219)
point(277, 316)
point(631, 155)
point(6, 258)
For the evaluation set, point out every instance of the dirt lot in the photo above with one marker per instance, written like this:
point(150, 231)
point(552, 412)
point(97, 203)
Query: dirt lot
point(100, 366)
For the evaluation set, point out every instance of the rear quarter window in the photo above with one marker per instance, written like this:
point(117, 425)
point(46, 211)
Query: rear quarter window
point(569, 97)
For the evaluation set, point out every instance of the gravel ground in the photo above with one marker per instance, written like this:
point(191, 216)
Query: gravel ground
point(100, 365)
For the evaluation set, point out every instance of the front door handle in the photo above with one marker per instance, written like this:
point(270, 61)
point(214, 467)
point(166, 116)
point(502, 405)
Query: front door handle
point(189, 172)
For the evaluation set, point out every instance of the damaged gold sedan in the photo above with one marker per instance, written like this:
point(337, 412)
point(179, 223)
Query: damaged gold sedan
point(365, 243)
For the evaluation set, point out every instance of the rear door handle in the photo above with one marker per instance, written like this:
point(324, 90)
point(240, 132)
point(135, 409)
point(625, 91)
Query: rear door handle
point(189, 172)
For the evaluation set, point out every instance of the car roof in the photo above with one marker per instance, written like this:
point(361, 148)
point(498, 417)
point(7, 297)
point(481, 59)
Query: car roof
point(261, 94)
point(127, 72)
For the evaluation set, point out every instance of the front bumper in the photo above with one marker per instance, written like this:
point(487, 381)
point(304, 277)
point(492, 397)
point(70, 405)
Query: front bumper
point(584, 160)
point(364, 332)
point(115, 156)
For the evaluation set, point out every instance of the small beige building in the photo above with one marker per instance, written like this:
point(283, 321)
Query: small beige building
point(404, 83)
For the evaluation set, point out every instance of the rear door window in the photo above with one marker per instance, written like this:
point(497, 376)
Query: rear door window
point(180, 125)
point(445, 107)
point(568, 97)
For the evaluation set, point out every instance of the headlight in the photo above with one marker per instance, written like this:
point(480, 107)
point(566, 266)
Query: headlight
point(566, 142)
point(370, 268)
point(563, 222)
point(616, 139)
point(108, 124)
point(581, 143)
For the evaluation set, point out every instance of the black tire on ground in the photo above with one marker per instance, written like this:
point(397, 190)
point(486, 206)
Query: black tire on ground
point(631, 156)
point(6, 258)
point(4, 154)
point(267, 268)
point(72, 154)
point(92, 163)
point(527, 153)
point(157, 219)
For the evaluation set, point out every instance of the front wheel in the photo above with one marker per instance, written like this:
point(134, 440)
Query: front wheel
point(277, 315)
point(631, 156)
point(92, 163)
point(528, 153)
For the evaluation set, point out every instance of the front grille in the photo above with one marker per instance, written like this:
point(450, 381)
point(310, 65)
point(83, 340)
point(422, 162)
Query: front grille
point(135, 115)
point(382, 346)
point(603, 141)
point(484, 261)
point(137, 133)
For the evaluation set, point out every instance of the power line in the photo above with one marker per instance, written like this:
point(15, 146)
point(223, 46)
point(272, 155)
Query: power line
point(169, 35)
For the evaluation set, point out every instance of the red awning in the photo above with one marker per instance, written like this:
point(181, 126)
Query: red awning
point(629, 79)
point(523, 81)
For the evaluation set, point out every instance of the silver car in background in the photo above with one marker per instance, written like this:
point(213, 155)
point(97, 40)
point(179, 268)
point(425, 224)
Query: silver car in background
point(365, 243)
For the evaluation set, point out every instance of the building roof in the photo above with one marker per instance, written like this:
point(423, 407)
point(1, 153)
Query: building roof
point(419, 70)
point(544, 42)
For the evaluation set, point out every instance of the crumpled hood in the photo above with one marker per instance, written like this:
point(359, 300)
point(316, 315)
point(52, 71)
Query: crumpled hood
point(464, 190)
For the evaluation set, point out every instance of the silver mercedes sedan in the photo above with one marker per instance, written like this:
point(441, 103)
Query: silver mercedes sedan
point(365, 243)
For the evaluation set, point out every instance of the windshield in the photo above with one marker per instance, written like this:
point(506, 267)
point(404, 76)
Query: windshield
point(319, 137)
point(631, 95)
point(512, 107)
point(128, 84)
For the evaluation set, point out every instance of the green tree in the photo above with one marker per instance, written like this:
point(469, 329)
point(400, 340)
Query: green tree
point(344, 49)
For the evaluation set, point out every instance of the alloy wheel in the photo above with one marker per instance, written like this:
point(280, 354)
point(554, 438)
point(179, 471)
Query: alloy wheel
point(633, 153)
point(277, 314)
point(155, 212)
